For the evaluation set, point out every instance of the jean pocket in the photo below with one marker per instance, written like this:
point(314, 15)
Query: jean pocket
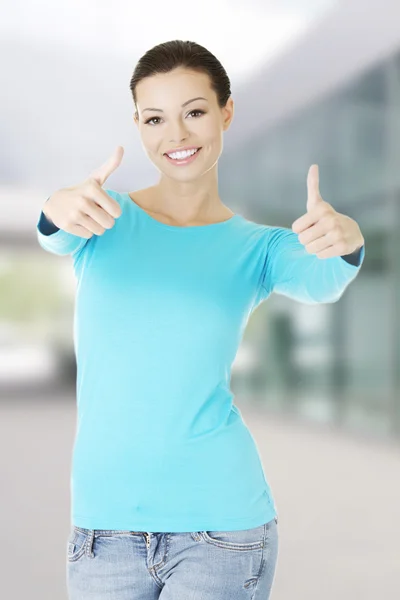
point(76, 543)
point(244, 539)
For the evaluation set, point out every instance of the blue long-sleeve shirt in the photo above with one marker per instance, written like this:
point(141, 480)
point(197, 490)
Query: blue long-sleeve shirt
point(160, 312)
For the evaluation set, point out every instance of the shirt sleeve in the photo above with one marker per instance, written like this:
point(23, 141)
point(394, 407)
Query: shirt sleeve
point(291, 271)
point(57, 241)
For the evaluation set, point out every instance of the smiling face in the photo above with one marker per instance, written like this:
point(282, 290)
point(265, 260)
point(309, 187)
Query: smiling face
point(199, 123)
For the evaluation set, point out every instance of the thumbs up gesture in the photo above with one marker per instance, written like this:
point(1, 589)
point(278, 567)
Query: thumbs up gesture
point(86, 209)
point(322, 230)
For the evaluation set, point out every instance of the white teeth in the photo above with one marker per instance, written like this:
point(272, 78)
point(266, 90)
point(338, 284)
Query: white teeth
point(181, 155)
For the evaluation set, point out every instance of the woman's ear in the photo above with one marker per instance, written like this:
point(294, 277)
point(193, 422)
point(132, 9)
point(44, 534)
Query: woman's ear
point(227, 113)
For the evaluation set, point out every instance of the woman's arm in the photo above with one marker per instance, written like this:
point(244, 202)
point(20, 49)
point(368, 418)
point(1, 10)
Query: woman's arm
point(290, 270)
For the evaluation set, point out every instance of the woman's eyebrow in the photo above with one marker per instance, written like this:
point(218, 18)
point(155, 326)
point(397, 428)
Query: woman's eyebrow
point(184, 104)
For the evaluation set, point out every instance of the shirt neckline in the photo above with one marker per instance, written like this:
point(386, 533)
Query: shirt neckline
point(234, 217)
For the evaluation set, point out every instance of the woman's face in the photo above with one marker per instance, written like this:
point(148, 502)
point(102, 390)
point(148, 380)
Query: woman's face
point(200, 123)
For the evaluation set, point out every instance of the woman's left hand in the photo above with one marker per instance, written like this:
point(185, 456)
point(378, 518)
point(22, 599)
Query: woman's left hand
point(323, 231)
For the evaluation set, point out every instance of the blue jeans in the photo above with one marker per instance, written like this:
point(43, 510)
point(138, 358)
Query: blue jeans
point(200, 565)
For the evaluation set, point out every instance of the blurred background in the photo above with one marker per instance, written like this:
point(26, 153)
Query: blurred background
point(314, 81)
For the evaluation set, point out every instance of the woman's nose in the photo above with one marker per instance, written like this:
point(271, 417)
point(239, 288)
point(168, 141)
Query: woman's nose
point(179, 133)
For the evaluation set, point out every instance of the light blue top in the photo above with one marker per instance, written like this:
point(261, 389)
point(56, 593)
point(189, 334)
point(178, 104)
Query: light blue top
point(160, 313)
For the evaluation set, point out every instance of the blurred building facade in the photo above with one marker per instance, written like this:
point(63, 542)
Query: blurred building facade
point(338, 363)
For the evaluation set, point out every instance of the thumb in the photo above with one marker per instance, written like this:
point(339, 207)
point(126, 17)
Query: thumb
point(313, 195)
point(102, 173)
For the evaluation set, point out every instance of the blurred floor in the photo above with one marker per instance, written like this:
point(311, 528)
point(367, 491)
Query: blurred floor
point(338, 500)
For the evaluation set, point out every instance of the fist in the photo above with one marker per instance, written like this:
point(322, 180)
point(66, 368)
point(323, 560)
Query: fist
point(322, 230)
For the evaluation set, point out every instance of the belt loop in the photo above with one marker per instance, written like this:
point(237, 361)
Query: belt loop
point(89, 544)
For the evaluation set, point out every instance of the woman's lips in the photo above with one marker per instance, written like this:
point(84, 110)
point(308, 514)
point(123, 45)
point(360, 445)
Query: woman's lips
point(184, 161)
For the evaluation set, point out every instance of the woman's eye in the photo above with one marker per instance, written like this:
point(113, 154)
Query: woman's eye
point(201, 112)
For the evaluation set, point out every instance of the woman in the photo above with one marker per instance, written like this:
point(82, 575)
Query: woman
point(169, 498)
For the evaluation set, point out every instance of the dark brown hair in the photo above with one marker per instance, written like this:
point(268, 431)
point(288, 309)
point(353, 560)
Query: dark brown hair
point(178, 53)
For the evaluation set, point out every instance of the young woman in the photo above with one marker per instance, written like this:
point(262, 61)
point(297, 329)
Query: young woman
point(169, 497)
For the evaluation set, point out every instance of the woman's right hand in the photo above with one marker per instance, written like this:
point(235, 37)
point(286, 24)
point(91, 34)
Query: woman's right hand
point(85, 209)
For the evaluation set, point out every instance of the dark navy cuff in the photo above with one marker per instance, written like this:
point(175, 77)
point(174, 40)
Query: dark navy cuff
point(355, 257)
point(45, 226)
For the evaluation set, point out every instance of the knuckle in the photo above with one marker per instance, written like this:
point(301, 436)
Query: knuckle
point(333, 223)
point(337, 221)
point(83, 203)
point(331, 220)
point(91, 181)
point(332, 234)
point(91, 186)
point(75, 214)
